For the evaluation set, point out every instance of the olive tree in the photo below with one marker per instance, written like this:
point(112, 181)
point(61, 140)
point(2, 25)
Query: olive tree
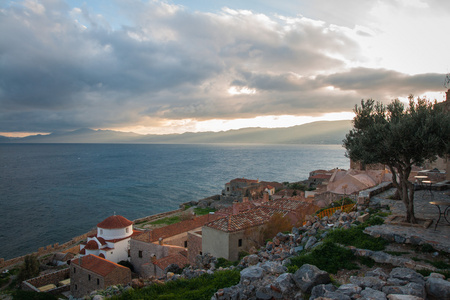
point(399, 138)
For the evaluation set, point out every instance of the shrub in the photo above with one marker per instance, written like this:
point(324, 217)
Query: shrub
point(27, 295)
point(202, 287)
point(328, 256)
point(357, 238)
point(29, 268)
point(203, 211)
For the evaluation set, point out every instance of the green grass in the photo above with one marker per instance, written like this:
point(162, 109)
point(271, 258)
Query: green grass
point(203, 211)
point(224, 263)
point(167, 220)
point(357, 238)
point(328, 257)
point(202, 287)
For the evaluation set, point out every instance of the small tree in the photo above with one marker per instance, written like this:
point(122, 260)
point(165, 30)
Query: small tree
point(399, 138)
point(29, 268)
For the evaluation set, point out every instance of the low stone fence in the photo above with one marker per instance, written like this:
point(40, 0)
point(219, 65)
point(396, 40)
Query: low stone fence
point(365, 195)
point(33, 284)
point(46, 250)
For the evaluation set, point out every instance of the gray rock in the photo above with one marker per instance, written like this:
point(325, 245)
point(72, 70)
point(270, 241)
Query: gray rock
point(378, 272)
point(349, 289)
point(309, 276)
point(252, 273)
point(411, 288)
point(396, 281)
point(370, 281)
point(282, 237)
point(268, 292)
point(403, 297)
point(408, 275)
point(437, 288)
point(336, 296)
point(320, 290)
point(98, 297)
point(252, 259)
point(285, 283)
point(311, 241)
point(273, 267)
point(371, 294)
point(298, 249)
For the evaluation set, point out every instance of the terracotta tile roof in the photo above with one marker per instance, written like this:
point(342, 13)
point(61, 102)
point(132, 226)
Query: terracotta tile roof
point(321, 176)
point(114, 222)
point(97, 264)
point(91, 245)
point(179, 259)
point(284, 204)
point(244, 220)
point(244, 180)
point(83, 251)
point(174, 229)
point(101, 240)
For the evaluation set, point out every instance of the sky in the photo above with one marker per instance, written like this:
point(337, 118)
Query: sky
point(159, 67)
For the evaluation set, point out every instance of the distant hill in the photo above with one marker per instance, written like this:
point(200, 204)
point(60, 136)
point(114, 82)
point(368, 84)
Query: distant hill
point(323, 132)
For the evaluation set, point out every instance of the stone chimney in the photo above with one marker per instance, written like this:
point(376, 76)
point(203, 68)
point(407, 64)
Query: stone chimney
point(265, 197)
point(235, 207)
point(244, 199)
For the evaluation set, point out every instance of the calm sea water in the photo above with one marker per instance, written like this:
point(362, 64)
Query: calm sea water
point(52, 192)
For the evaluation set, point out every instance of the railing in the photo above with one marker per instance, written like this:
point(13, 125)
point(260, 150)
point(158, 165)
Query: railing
point(330, 211)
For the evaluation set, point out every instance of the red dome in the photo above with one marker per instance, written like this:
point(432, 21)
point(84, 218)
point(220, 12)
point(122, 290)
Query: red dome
point(91, 245)
point(114, 222)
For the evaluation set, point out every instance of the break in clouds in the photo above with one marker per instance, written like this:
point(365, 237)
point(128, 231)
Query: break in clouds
point(63, 68)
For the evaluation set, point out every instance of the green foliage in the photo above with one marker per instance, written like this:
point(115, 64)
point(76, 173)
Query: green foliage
point(439, 264)
point(328, 256)
point(243, 254)
point(367, 261)
point(203, 211)
point(399, 138)
point(355, 236)
point(29, 268)
point(167, 220)
point(202, 287)
point(27, 295)
point(426, 248)
point(225, 263)
point(428, 272)
point(297, 186)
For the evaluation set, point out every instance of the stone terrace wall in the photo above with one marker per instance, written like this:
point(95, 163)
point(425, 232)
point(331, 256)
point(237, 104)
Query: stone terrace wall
point(46, 250)
point(34, 283)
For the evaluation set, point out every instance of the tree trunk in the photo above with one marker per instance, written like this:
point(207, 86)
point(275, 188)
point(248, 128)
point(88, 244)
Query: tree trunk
point(406, 190)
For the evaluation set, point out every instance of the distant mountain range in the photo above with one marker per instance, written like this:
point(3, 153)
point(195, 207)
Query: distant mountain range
point(323, 132)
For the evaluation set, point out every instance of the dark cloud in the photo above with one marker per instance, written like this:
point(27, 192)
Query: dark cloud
point(64, 68)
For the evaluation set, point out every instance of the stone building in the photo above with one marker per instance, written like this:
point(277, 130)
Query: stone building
point(91, 272)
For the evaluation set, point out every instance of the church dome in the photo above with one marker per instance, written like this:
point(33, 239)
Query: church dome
point(114, 222)
point(91, 245)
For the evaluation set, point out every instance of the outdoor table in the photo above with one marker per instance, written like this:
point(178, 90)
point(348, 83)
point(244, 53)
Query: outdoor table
point(420, 179)
point(444, 213)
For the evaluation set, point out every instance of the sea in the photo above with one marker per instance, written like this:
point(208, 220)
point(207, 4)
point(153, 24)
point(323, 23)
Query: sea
point(50, 193)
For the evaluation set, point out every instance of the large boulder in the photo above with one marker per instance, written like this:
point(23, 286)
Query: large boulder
point(309, 276)
point(369, 281)
point(437, 288)
point(252, 273)
point(407, 275)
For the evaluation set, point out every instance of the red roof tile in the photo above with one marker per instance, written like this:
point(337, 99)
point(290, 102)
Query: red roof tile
point(179, 259)
point(174, 229)
point(244, 220)
point(91, 245)
point(97, 264)
point(114, 222)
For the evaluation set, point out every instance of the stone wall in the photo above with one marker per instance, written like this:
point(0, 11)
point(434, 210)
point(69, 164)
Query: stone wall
point(46, 250)
point(52, 278)
point(194, 246)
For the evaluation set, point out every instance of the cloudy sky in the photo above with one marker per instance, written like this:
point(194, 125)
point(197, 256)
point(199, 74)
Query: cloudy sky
point(196, 65)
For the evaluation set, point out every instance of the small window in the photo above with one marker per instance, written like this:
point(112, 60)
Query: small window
point(89, 277)
point(74, 270)
point(240, 243)
point(76, 287)
point(111, 252)
point(101, 231)
point(98, 281)
point(140, 254)
point(201, 253)
point(185, 244)
point(127, 230)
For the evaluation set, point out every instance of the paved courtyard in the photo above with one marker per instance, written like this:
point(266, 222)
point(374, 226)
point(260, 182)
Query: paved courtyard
point(439, 238)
